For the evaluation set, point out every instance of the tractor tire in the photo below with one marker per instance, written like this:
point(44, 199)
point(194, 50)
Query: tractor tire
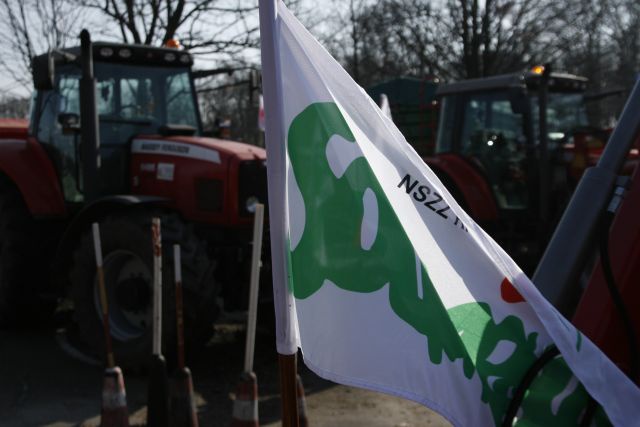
point(128, 270)
point(23, 270)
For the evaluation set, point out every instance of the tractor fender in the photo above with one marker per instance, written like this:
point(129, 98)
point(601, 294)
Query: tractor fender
point(467, 184)
point(93, 212)
point(25, 163)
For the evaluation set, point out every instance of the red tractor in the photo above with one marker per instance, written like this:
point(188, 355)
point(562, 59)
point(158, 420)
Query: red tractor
point(511, 149)
point(114, 137)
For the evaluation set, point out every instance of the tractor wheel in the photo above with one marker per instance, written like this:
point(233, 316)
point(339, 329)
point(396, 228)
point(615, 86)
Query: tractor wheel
point(23, 272)
point(128, 272)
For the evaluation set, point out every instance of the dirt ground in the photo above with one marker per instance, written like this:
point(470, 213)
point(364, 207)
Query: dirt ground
point(43, 383)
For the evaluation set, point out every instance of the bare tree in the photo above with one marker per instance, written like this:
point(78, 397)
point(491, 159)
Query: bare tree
point(496, 36)
point(202, 26)
point(31, 27)
point(384, 40)
point(452, 39)
point(624, 21)
point(14, 107)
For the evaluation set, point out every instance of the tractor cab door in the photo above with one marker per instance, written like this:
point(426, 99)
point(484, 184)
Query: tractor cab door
point(491, 132)
point(61, 142)
point(567, 123)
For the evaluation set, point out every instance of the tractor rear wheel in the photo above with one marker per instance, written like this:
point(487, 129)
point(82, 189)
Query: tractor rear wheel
point(128, 270)
point(23, 272)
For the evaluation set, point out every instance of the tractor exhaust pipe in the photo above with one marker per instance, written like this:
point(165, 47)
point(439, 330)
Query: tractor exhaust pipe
point(90, 135)
point(543, 95)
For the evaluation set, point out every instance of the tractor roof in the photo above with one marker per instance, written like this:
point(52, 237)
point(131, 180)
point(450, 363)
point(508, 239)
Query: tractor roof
point(127, 54)
point(405, 90)
point(560, 82)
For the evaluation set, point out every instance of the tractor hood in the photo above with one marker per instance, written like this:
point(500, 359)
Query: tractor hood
point(201, 148)
point(209, 181)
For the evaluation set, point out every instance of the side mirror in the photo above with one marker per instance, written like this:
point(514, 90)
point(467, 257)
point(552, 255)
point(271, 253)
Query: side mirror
point(42, 68)
point(70, 123)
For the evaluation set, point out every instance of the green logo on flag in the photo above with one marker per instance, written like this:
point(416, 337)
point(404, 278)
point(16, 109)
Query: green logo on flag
point(331, 249)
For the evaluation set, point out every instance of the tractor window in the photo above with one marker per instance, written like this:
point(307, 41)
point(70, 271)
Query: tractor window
point(136, 98)
point(33, 112)
point(492, 136)
point(61, 148)
point(105, 96)
point(489, 123)
point(180, 106)
point(446, 127)
point(69, 90)
point(565, 113)
point(46, 116)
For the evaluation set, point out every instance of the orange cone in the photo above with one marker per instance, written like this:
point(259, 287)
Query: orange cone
point(183, 405)
point(114, 400)
point(302, 404)
point(245, 407)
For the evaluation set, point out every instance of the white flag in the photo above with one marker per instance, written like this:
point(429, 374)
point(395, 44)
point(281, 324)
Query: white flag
point(381, 278)
point(384, 106)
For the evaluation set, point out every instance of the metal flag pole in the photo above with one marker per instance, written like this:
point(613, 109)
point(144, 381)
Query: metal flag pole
point(157, 286)
point(103, 295)
point(253, 291)
point(276, 171)
point(158, 391)
point(177, 269)
point(245, 404)
point(182, 403)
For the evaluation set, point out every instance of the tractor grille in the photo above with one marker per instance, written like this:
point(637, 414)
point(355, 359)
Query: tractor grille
point(252, 177)
point(209, 195)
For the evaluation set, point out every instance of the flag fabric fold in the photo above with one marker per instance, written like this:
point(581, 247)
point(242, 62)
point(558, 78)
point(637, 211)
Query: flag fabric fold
point(386, 282)
point(384, 106)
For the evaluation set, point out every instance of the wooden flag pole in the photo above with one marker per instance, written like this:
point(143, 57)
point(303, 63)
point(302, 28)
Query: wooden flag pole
point(288, 373)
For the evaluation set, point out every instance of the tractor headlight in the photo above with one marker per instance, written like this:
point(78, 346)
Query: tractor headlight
point(125, 53)
point(251, 204)
point(106, 52)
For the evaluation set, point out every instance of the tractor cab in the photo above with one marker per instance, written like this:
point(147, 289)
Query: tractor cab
point(511, 148)
point(139, 90)
point(494, 123)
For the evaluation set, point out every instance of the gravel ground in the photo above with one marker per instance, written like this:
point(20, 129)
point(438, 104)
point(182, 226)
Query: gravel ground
point(43, 383)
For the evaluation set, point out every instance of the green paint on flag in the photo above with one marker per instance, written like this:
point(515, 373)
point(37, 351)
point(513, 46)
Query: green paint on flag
point(330, 249)
point(556, 398)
